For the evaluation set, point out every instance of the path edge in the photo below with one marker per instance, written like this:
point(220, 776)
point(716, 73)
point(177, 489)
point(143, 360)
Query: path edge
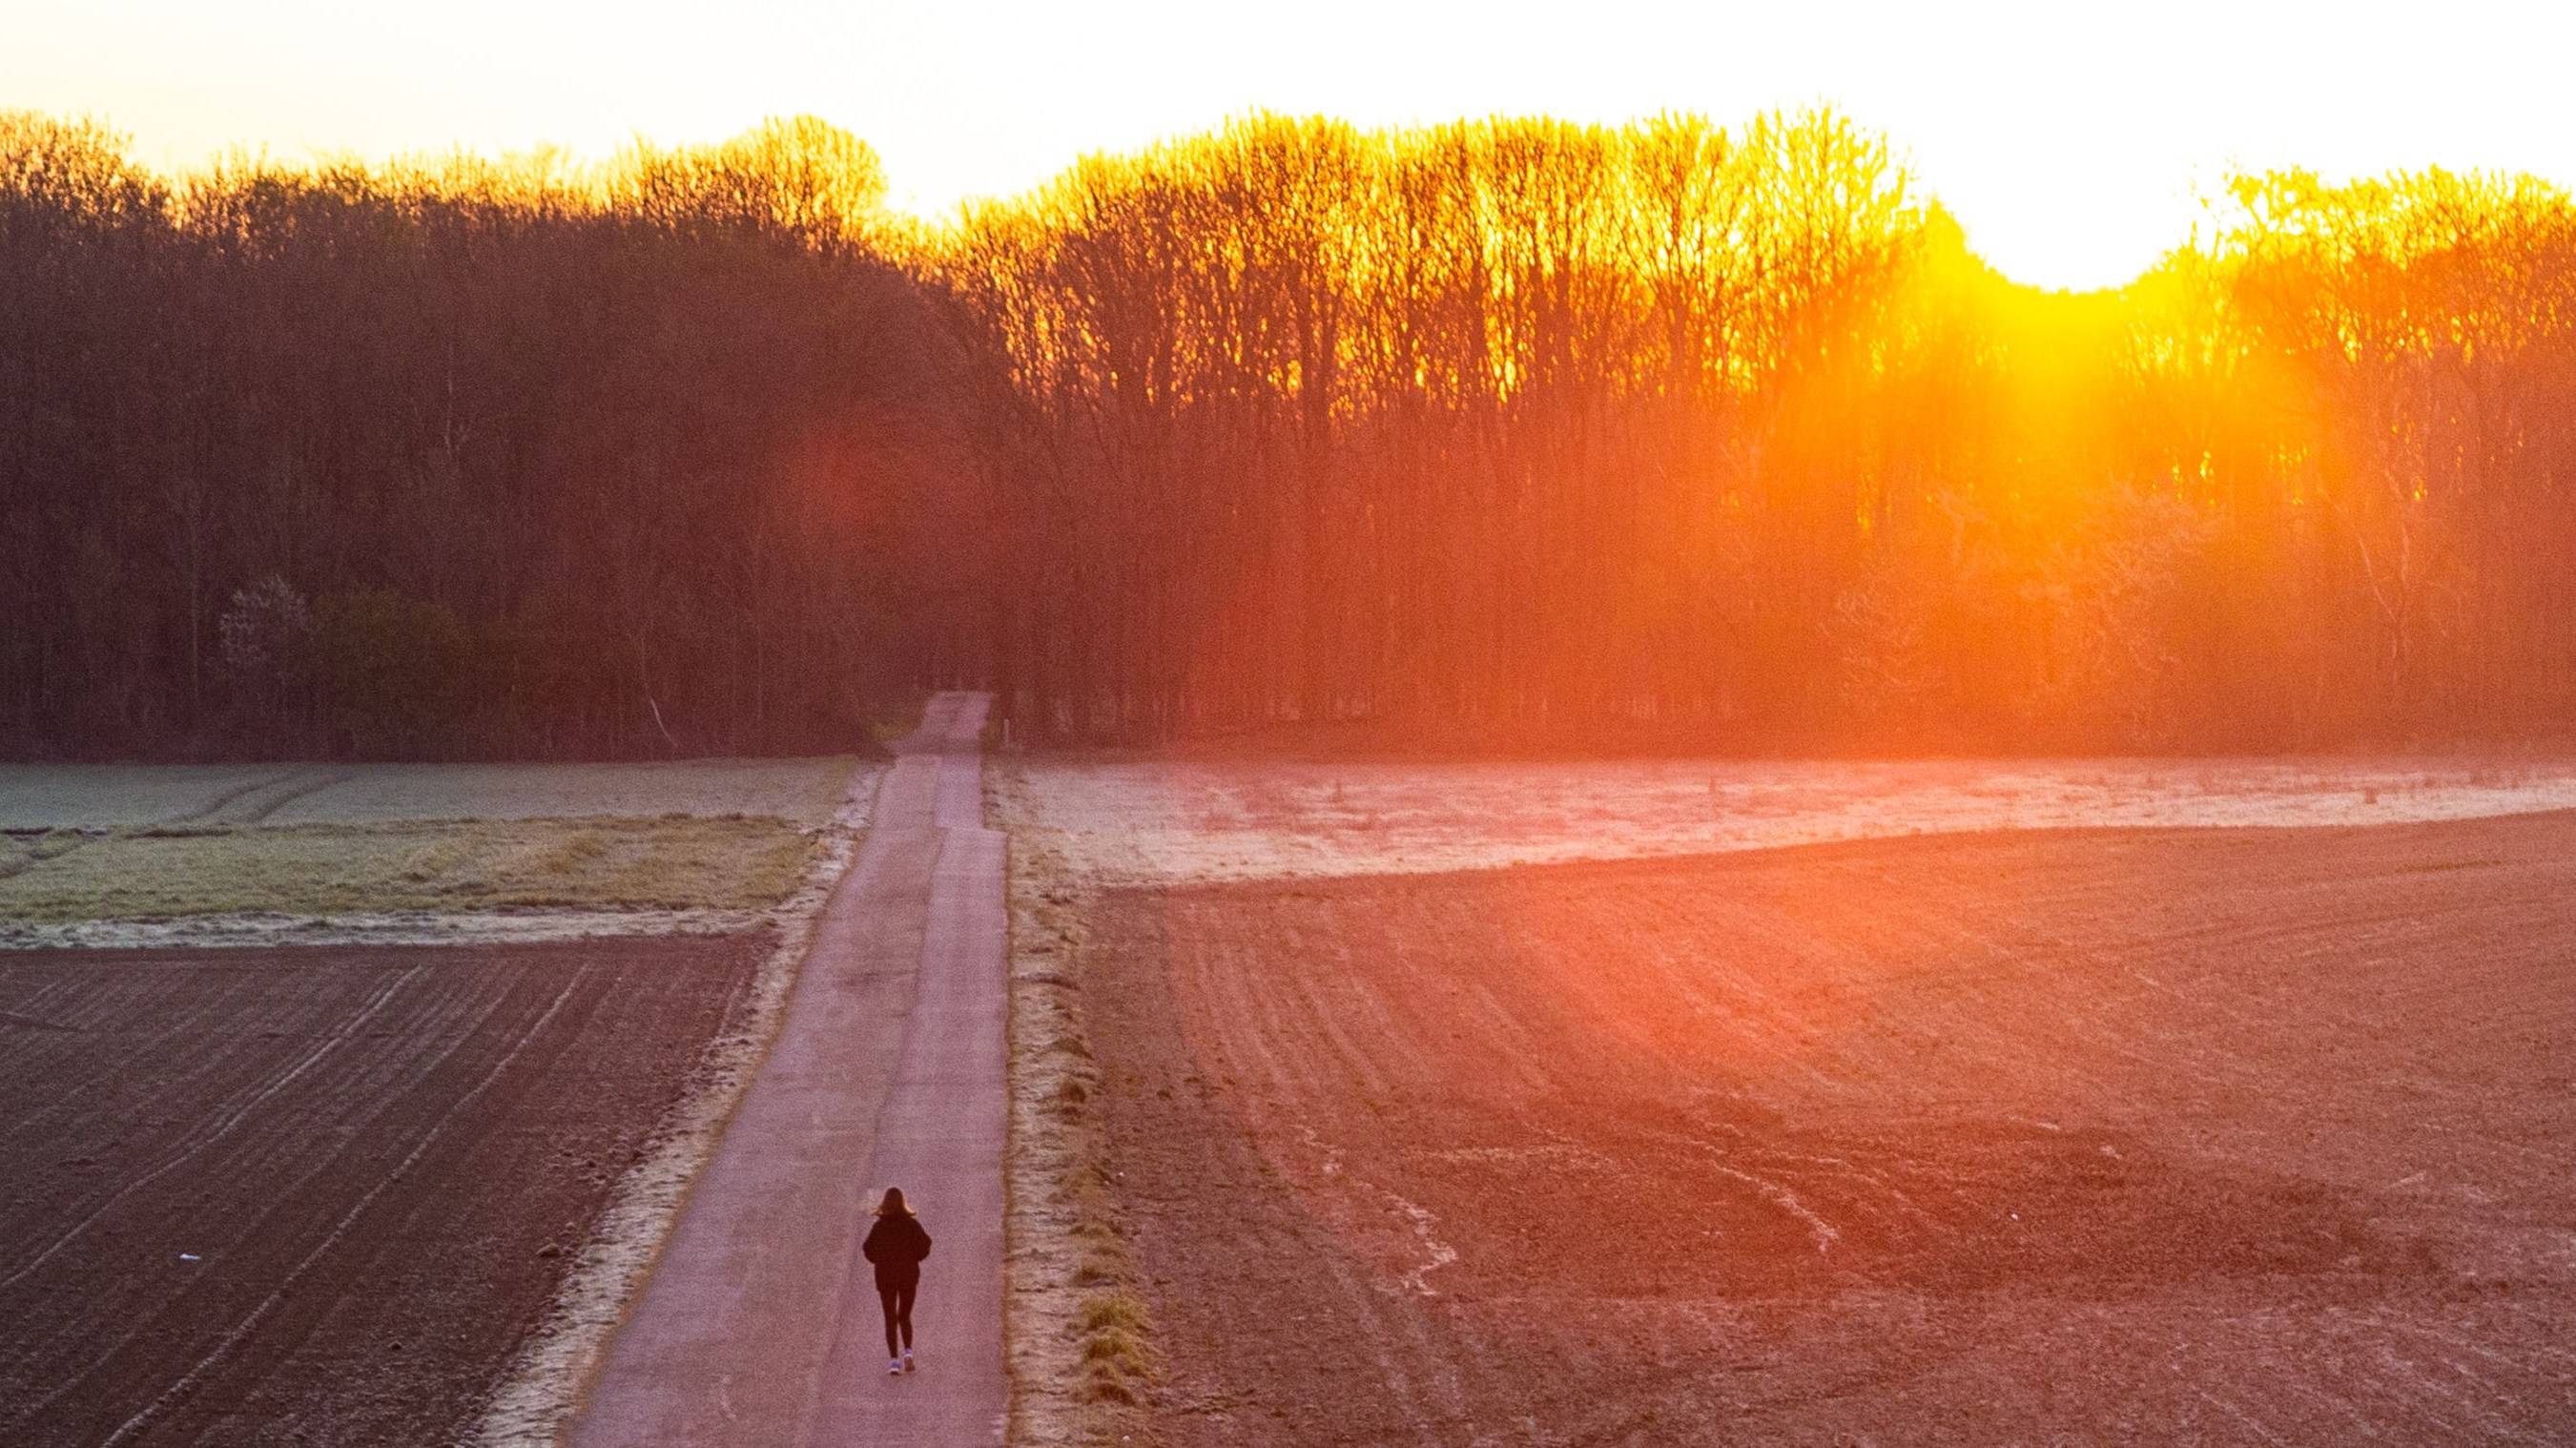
point(550, 1376)
point(1077, 1345)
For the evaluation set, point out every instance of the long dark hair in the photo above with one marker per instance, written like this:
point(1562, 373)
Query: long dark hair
point(893, 1205)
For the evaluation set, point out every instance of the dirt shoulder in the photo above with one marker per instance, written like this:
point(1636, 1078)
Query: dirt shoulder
point(1076, 1337)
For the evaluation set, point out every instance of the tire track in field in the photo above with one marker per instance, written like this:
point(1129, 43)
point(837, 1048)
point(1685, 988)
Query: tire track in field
point(222, 799)
point(304, 790)
point(84, 838)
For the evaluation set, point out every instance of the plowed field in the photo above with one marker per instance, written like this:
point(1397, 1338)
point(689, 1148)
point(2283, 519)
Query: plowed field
point(2172, 1136)
point(316, 1195)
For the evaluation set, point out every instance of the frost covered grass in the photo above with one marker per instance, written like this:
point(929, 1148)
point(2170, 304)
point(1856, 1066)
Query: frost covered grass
point(1127, 821)
point(157, 872)
point(803, 792)
point(1080, 1340)
point(104, 843)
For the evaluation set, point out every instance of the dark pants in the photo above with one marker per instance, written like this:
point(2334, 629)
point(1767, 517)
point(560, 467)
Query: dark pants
point(898, 1311)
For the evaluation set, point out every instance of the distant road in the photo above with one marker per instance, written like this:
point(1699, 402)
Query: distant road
point(760, 1325)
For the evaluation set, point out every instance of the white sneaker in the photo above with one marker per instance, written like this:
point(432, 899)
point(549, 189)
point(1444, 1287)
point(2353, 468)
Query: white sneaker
point(907, 1359)
point(894, 1367)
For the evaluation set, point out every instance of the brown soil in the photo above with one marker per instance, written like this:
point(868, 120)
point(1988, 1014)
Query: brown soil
point(2155, 1136)
point(317, 1195)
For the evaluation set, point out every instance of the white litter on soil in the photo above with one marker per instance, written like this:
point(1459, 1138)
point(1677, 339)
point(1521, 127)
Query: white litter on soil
point(1131, 822)
point(1436, 1254)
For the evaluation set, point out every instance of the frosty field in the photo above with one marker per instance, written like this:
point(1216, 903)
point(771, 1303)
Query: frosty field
point(108, 796)
point(128, 855)
point(1636, 1103)
point(1128, 821)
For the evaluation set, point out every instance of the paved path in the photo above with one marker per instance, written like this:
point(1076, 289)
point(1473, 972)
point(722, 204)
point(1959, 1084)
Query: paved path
point(760, 1325)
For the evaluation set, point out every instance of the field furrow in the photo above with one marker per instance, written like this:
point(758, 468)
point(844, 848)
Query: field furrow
point(2231, 1136)
point(320, 1195)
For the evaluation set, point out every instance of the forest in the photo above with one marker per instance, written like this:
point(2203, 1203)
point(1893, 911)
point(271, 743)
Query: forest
point(1498, 434)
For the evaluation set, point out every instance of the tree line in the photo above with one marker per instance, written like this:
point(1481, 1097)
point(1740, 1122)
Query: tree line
point(1494, 432)
point(465, 457)
point(1517, 429)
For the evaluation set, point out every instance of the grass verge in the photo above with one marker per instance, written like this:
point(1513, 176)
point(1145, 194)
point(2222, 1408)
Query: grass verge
point(1079, 1339)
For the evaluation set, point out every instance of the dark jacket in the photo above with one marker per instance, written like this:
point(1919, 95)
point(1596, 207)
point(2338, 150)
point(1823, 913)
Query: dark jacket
point(897, 1244)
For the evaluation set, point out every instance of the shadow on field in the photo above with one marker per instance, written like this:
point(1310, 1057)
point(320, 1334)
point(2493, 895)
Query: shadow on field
point(1757, 1209)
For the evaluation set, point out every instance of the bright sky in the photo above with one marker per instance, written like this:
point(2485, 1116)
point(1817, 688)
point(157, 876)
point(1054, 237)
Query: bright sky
point(2070, 138)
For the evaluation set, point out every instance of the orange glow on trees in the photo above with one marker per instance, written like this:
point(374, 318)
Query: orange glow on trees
point(1503, 425)
point(1493, 431)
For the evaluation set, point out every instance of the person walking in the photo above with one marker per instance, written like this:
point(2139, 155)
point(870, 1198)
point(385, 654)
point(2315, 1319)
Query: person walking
point(897, 1245)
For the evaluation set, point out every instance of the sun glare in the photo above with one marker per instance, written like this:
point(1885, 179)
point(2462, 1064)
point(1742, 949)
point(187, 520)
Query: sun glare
point(2068, 141)
point(2035, 242)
